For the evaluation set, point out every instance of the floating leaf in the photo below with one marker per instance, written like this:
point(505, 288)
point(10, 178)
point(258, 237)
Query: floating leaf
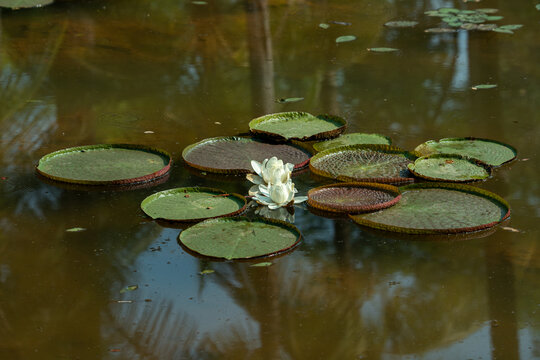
point(18, 4)
point(511, 27)
point(538, 7)
point(469, 26)
point(199, 2)
point(192, 204)
point(491, 152)
point(454, 168)
point(353, 197)
point(324, 26)
point(504, 31)
point(508, 228)
point(352, 139)
point(233, 155)
point(488, 10)
point(240, 237)
point(129, 288)
point(116, 164)
point(289, 100)
point(448, 10)
point(401, 23)
point(494, 18)
point(440, 30)
point(76, 229)
point(486, 27)
point(298, 125)
point(434, 13)
point(374, 163)
point(484, 86)
point(206, 272)
point(261, 264)
point(432, 208)
point(345, 38)
point(382, 49)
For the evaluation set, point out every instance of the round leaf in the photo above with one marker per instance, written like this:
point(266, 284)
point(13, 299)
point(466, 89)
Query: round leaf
point(192, 204)
point(240, 237)
point(298, 125)
point(110, 164)
point(373, 163)
point(454, 168)
point(352, 139)
point(233, 155)
point(401, 24)
point(434, 208)
point(491, 152)
point(353, 197)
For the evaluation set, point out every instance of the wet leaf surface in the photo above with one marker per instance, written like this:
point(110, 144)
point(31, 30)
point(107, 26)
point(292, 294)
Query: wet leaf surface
point(345, 38)
point(352, 139)
point(455, 168)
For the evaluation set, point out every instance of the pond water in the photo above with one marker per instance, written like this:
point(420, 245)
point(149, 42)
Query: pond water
point(169, 73)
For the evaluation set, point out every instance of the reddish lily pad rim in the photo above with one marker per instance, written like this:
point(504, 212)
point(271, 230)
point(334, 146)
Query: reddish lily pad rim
point(393, 190)
point(276, 222)
point(449, 186)
point(388, 149)
point(187, 190)
point(514, 150)
point(141, 179)
point(473, 161)
point(319, 136)
point(189, 148)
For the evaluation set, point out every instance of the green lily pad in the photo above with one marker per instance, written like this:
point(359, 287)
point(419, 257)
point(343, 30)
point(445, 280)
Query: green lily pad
point(382, 49)
point(371, 163)
point(109, 164)
point(511, 27)
point(486, 27)
point(289, 100)
point(298, 125)
point(233, 155)
point(450, 168)
point(401, 23)
point(491, 152)
point(538, 7)
point(488, 10)
point(324, 26)
point(504, 31)
point(440, 30)
point(434, 208)
point(494, 18)
point(484, 86)
point(353, 197)
point(18, 4)
point(192, 204)
point(76, 229)
point(352, 139)
point(345, 38)
point(261, 264)
point(240, 237)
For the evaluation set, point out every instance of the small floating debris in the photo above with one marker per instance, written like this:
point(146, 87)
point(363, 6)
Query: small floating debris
point(401, 23)
point(484, 86)
point(345, 38)
point(382, 49)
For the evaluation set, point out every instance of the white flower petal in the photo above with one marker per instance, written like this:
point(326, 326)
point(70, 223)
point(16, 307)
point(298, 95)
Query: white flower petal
point(300, 199)
point(263, 189)
point(256, 179)
point(254, 190)
point(273, 206)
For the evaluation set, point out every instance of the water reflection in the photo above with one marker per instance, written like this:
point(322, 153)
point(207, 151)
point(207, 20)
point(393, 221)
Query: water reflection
point(91, 72)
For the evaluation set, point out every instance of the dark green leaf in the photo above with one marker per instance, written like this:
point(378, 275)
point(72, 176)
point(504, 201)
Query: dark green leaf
point(511, 27)
point(352, 139)
point(504, 31)
point(494, 18)
point(454, 168)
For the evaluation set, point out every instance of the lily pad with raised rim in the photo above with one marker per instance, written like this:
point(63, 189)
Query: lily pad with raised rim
point(371, 163)
point(298, 126)
point(191, 204)
point(233, 155)
point(353, 197)
point(106, 164)
point(352, 139)
point(447, 167)
point(435, 208)
point(240, 237)
point(491, 152)
point(19, 4)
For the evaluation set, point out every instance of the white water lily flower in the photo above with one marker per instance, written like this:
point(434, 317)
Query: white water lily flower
point(270, 171)
point(277, 195)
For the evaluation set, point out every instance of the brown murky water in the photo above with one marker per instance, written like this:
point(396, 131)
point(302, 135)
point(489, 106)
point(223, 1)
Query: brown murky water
point(91, 72)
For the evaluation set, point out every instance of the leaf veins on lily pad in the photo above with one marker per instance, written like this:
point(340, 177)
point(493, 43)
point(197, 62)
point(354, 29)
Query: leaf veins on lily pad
point(382, 49)
point(345, 38)
point(484, 86)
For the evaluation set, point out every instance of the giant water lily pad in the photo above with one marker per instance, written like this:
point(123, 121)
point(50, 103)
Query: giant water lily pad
point(108, 164)
point(434, 208)
point(372, 163)
point(454, 168)
point(353, 197)
point(192, 204)
point(233, 155)
point(240, 237)
point(491, 152)
point(18, 4)
point(298, 125)
point(352, 139)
